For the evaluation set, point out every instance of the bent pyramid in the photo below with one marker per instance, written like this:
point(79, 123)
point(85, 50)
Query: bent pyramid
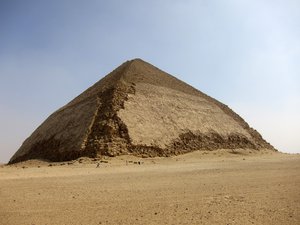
point(138, 109)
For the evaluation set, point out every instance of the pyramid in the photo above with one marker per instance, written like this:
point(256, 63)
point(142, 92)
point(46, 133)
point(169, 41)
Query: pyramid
point(138, 109)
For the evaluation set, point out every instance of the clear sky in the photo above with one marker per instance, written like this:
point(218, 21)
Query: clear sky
point(245, 53)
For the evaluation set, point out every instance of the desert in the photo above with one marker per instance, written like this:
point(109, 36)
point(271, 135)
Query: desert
point(201, 187)
point(142, 147)
point(149, 112)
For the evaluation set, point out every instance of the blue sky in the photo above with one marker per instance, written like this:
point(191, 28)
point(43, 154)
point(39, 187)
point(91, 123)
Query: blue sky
point(245, 53)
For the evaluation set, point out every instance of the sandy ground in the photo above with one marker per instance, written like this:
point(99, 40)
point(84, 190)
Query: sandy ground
point(196, 188)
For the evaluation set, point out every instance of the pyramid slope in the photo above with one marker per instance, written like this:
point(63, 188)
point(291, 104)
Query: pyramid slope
point(138, 109)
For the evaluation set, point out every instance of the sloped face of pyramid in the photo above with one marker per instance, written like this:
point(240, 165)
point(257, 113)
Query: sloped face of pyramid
point(138, 109)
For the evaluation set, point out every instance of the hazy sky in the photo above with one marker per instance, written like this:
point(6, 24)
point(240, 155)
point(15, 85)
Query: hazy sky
point(245, 53)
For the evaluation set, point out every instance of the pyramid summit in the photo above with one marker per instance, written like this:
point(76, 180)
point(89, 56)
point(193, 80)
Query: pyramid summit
point(138, 109)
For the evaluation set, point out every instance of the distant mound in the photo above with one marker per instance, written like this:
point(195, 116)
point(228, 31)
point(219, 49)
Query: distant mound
point(138, 109)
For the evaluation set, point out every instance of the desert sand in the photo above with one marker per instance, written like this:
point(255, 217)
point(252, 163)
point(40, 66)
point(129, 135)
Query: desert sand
point(202, 187)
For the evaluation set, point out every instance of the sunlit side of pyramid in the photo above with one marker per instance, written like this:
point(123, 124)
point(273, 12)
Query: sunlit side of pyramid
point(138, 109)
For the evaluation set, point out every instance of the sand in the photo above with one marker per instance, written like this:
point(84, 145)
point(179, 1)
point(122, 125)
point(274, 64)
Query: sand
point(197, 188)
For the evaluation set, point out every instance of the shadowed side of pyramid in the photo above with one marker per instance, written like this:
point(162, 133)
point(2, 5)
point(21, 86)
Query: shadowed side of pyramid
point(138, 109)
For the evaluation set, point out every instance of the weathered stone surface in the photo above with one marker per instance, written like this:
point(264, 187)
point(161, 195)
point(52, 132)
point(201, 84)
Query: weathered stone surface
point(141, 110)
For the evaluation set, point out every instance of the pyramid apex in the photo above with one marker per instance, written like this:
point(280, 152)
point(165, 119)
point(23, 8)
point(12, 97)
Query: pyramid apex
point(137, 59)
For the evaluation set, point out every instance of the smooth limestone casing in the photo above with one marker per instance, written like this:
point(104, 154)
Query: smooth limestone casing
point(157, 115)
